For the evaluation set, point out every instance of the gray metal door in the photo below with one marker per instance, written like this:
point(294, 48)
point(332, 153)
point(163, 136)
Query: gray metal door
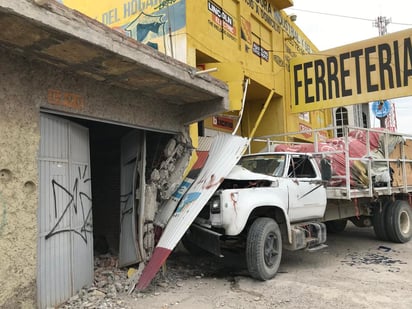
point(129, 183)
point(65, 242)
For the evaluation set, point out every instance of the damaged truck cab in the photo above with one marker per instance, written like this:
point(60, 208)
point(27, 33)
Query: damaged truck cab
point(269, 201)
point(289, 195)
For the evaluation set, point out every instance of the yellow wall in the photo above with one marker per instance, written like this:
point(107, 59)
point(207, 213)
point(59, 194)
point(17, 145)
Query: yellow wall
point(241, 38)
point(233, 41)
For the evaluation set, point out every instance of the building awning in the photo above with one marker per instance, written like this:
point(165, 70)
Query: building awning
point(65, 38)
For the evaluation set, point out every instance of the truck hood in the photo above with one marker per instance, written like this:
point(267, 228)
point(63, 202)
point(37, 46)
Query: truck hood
point(241, 173)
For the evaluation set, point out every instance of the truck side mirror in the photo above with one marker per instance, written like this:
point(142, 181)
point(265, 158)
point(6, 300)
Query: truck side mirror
point(326, 169)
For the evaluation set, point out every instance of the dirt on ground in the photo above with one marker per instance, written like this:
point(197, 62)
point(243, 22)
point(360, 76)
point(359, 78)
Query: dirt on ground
point(355, 271)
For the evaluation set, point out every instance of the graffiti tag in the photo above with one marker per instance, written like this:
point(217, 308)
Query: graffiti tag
point(78, 201)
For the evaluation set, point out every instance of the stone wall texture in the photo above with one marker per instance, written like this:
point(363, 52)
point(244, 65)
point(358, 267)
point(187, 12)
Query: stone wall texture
point(19, 138)
point(28, 87)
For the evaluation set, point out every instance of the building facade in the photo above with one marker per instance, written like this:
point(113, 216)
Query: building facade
point(86, 114)
point(246, 43)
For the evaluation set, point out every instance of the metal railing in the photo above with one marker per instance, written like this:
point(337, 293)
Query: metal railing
point(388, 142)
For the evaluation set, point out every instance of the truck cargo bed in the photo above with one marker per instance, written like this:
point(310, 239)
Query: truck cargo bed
point(365, 162)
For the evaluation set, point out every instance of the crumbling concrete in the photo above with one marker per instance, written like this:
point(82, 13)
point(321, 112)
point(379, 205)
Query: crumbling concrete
point(19, 137)
point(54, 59)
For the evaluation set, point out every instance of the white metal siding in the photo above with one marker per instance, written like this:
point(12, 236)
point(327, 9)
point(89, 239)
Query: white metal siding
point(128, 250)
point(64, 258)
point(225, 151)
point(81, 213)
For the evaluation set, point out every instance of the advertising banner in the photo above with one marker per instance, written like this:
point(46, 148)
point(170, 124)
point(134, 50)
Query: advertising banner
point(156, 23)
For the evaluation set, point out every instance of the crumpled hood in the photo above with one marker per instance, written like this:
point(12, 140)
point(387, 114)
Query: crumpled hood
point(241, 173)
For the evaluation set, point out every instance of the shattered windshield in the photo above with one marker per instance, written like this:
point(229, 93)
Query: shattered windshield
point(268, 164)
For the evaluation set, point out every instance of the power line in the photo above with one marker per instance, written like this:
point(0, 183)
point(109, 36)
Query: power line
point(344, 16)
point(331, 14)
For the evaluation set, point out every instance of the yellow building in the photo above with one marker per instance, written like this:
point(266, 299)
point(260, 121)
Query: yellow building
point(246, 43)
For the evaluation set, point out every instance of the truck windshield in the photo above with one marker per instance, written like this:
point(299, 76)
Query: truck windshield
point(268, 164)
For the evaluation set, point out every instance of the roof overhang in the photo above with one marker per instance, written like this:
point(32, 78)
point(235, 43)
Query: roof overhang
point(65, 38)
point(283, 4)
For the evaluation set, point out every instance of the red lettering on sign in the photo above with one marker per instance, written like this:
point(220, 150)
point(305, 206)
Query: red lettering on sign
point(67, 99)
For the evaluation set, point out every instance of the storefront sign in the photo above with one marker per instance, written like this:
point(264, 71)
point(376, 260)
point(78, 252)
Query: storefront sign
point(376, 69)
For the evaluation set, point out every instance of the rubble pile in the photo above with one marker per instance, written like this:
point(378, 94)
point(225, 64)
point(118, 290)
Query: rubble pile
point(109, 283)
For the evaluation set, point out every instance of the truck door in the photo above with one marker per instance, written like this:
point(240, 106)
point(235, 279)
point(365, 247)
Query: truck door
point(307, 195)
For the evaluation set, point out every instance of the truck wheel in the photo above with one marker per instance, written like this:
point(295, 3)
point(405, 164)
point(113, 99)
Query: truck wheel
point(398, 222)
point(336, 226)
point(378, 220)
point(263, 249)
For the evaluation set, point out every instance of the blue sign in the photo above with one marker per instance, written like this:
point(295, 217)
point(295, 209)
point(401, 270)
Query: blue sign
point(381, 108)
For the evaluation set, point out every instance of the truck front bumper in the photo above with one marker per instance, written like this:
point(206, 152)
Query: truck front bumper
point(204, 238)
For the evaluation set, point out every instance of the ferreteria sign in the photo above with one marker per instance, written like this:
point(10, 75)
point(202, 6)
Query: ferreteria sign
point(371, 70)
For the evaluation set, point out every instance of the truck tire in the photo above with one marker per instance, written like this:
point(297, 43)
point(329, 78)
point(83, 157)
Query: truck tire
point(336, 226)
point(263, 249)
point(379, 220)
point(399, 222)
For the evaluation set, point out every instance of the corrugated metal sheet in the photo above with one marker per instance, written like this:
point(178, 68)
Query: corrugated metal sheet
point(205, 143)
point(65, 247)
point(202, 151)
point(128, 250)
point(226, 150)
point(201, 159)
point(81, 212)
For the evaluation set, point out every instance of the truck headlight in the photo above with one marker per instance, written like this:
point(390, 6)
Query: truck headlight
point(275, 184)
point(215, 205)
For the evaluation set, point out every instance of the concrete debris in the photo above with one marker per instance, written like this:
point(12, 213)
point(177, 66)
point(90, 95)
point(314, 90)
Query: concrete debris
point(112, 286)
point(110, 283)
point(134, 276)
point(169, 175)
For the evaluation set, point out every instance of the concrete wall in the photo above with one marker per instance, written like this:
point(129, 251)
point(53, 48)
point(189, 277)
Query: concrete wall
point(25, 88)
point(19, 137)
point(262, 51)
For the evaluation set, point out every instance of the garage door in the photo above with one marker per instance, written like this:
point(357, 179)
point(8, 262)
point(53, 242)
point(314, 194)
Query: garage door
point(65, 242)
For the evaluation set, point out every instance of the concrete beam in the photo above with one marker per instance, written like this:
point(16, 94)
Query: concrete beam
point(68, 39)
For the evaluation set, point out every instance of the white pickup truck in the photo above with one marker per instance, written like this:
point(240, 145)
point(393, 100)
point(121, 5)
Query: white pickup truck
point(273, 201)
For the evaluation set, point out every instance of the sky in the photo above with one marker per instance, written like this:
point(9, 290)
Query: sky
point(332, 23)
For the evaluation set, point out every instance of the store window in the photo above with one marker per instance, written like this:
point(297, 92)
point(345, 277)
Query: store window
point(341, 115)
